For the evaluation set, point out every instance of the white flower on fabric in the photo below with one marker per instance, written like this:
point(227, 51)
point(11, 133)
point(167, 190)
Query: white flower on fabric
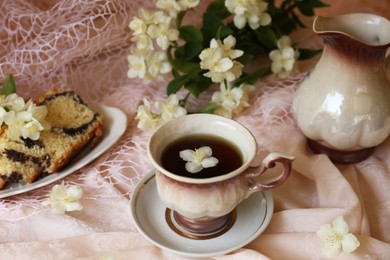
point(169, 6)
point(139, 24)
point(170, 108)
point(143, 41)
point(143, 61)
point(284, 58)
point(163, 34)
point(64, 198)
point(147, 120)
point(227, 47)
point(148, 65)
point(137, 67)
point(162, 31)
point(231, 100)
point(160, 17)
point(218, 59)
point(27, 123)
point(156, 64)
point(198, 159)
point(284, 42)
point(337, 238)
point(146, 16)
point(165, 111)
point(252, 12)
point(188, 4)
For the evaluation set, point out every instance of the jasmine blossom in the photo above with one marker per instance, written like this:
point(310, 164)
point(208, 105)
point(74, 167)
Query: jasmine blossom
point(198, 159)
point(64, 198)
point(337, 238)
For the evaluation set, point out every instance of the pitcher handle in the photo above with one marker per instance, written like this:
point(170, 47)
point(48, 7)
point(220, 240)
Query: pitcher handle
point(269, 162)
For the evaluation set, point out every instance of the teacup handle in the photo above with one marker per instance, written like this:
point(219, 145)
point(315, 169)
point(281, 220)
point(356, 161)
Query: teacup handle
point(269, 162)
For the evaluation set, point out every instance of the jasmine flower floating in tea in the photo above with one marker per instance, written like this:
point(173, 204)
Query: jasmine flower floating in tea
point(198, 159)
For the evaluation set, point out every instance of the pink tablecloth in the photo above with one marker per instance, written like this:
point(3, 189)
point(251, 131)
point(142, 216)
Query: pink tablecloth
point(83, 45)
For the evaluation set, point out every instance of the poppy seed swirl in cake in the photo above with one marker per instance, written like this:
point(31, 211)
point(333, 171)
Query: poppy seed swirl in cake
point(73, 126)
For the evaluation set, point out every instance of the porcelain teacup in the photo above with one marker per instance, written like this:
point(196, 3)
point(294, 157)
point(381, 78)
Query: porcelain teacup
point(204, 204)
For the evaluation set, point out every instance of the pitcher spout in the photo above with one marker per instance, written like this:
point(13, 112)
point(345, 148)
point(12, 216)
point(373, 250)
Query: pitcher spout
point(361, 38)
point(369, 29)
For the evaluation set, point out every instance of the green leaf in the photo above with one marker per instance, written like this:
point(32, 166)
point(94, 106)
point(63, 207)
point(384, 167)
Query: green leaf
point(178, 54)
point(179, 64)
point(190, 33)
point(189, 67)
point(249, 46)
point(283, 24)
point(307, 6)
point(305, 54)
point(245, 59)
point(218, 9)
point(9, 86)
point(224, 31)
point(253, 77)
point(192, 50)
point(267, 38)
point(176, 84)
point(209, 108)
point(179, 18)
point(198, 85)
point(212, 26)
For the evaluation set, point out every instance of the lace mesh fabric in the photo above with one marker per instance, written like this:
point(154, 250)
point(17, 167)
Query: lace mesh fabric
point(56, 43)
point(82, 45)
point(69, 44)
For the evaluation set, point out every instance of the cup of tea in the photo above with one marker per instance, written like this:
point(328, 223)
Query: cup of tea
point(204, 169)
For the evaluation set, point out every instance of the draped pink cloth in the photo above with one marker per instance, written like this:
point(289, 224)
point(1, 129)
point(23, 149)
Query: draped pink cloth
point(83, 45)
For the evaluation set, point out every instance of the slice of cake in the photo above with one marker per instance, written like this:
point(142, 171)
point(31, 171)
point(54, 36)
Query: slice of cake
point(73, 126)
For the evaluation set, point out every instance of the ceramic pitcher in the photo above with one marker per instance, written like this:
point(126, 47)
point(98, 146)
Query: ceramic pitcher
point(343, 105)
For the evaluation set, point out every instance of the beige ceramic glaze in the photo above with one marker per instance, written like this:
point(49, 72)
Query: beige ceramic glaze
point(216, 196)
point(344, 103)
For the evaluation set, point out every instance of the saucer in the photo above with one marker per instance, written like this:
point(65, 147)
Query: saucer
point(252, 217)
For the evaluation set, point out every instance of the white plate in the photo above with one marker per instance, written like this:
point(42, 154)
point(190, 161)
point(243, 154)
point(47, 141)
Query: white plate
point(115, 123)
point(253, 216)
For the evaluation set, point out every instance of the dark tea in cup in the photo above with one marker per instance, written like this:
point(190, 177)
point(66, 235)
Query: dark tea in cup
point(228, 155)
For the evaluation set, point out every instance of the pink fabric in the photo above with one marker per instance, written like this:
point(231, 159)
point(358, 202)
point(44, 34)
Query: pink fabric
point(83, 45)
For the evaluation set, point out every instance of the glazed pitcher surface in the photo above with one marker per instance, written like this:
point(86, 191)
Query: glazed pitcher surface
point(343, 104)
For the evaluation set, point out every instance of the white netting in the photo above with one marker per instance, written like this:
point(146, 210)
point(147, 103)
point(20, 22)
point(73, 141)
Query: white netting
point(64, 43)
